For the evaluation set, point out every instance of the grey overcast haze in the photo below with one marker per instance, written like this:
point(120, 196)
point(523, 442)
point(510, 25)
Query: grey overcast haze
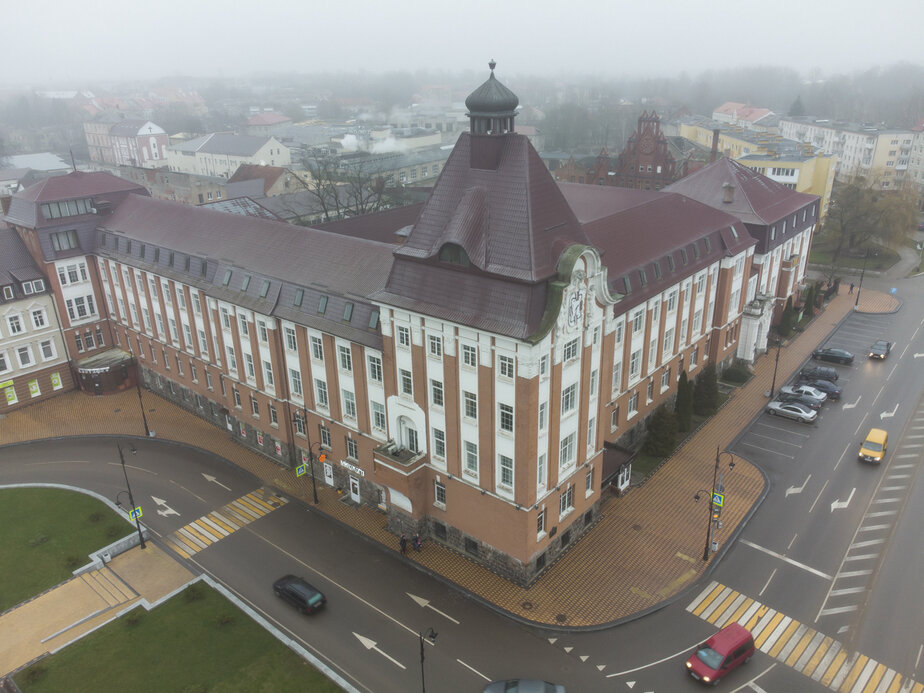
point(69, 44)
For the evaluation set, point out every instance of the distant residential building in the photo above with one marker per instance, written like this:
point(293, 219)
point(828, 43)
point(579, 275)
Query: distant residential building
point(220, 154)
point(164, 184)
point(42, 163)
point(745, 116)
point(265, 124)
point(33, 360)
point(276, 180)
point(916, 163)
point(861, 149)
point(127, 143)
point(798, 166)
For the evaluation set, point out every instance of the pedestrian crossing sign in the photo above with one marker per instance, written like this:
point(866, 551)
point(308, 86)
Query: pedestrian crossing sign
point(301, 470)
point(135, 513)
point(718, 499)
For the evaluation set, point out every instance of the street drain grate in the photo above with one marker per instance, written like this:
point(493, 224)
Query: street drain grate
point(637, 528)
point(527, 605)
point(561, 618)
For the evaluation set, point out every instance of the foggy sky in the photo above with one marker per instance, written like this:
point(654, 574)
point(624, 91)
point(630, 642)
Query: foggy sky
point(70, 44)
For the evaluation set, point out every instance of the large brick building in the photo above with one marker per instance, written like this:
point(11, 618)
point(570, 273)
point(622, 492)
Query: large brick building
point(469, 381)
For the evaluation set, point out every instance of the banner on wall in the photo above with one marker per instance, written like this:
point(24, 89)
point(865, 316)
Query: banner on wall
point(56, 381)
point(34, 389)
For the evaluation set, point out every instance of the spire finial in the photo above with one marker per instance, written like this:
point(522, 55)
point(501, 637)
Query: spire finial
point(492, 65)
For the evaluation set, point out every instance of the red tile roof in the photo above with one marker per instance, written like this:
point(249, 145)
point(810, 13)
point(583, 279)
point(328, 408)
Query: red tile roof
point(269, 174)
point(78, 184)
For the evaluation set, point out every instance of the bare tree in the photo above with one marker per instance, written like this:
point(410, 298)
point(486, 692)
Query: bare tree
point(345, 189)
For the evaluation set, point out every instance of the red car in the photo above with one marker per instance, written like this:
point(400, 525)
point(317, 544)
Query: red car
point(719, 655)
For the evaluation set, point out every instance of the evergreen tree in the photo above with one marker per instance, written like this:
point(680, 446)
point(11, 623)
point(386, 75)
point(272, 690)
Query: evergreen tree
point(662, 433)
point(706, 392)
point(797, 109)
point(684, 404)
point(810, 298)
point(787, 318)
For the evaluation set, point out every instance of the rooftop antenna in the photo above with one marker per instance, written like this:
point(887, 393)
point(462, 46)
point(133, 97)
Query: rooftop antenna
point(73, 161)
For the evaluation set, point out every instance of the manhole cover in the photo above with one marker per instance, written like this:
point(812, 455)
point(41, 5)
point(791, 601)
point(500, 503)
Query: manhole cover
point(561, 618)
point(637, 528)
point(527, 605)
point(116, 411)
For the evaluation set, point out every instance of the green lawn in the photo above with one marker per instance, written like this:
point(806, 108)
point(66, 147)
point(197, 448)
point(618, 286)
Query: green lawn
point(47, 533)
point(197, 641)
point(883, 259)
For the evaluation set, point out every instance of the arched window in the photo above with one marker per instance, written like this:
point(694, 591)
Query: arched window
point(454, 254)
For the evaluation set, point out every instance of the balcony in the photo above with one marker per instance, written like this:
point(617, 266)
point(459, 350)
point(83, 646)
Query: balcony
point(391, 453)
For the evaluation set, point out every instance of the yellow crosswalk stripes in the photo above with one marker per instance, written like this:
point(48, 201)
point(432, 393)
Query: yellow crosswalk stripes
point(799, 646)
point(218, 524)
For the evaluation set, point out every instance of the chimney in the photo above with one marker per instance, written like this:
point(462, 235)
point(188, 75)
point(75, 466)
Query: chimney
point(715, 146)
point(728, 193)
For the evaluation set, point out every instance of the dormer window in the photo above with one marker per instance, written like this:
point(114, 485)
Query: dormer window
point(454, 254)
point(64, 240)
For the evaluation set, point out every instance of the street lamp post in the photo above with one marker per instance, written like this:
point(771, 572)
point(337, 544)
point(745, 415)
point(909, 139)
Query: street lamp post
point(713, 516)
point(776, 365)
point(131, 498)
point(304, 419)
point(431, 636)
point(860, 286)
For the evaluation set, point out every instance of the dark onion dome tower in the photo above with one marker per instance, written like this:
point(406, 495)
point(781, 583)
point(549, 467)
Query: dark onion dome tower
point(491, 107)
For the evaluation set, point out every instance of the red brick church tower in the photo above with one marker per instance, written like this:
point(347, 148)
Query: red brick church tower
point(646, 162)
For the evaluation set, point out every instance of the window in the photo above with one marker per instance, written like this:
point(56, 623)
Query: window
point(299, 297)
point(669, 340)
point(248, 366)
point(543, 415)
point(346, 358)
point(593, 382)
point(506, 418)
point(540, 470)
point(439, 494)
point(203, 343)
point(407, 382)
point(274, 417)
point(471, 457)
point(566, 451)
point(352, 449)
point(570, 350)
point(322, 305)
point(566, 502)
point(436, 345)
point(412, 440)
point(614, 418)
point(589, 482)
point(650, 391)
point(635, 363)
point(638, 320)
point(436, 392)
point(349, 404)
point(404, 336)
point(289, 335)
point(540, 523)
point(295, 378)
point(262, 334)
point(439, 444)
point(237, 398)
point(665, 379)
point(4, 363)
point(506, 366)
point(375, 369)
point(506, 471)
point(469, 356)
point(243, 321)
point(317, 349)
point(378, 416)
point(320, 388)
point(15, 324)
point(348, 312)
point(246, 283)
point(617, 377)
point(470, 405)
point(633, 404)
point(693, 356)
point(264, 288)
point(48, 350)
point(671, 301)
point(569, 398)
point(544, 366)
point(324, 432)
point(254, 406)
point(64, 240)
point(225, 318)
point(24, 354)
point(197, 306)
point(268, 374)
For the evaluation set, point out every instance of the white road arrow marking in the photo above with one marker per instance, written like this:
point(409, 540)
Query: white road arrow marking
point(888, 414)
point(425, 603)
point(214, 481)
point(630, 684)
point(163, 509)
point(840, 505)
point(851, 406)
point(371, 645)
point(917, 356)
point(552, 641)
point(798, 489)
point(601, 667)
point(584, 658)
point(568, 649)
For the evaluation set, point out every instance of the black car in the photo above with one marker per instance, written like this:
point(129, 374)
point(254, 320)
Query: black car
point(833, 354)
point(818, 373)
point(300, 594)
point(880, 349)
point(826, 386)
point(800, 398)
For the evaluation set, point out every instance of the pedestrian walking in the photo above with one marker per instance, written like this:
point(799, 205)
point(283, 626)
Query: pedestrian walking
point(416, 541)
point(403, 543)
point(851, 288)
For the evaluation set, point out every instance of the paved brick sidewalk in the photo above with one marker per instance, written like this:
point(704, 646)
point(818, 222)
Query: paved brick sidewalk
point(645, 548)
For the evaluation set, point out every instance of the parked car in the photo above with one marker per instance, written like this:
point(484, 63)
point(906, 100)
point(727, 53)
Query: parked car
point(806, 391)
point(818, 373)
point(792, 410)
point(830, 389)
point(523, 686)
point(880, 349)
point(719, 655)
point(833, 354)
point(303, 596)
point(800, 398)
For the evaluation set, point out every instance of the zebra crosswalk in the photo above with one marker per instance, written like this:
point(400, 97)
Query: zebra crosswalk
point(799, 646)
point(218, 524)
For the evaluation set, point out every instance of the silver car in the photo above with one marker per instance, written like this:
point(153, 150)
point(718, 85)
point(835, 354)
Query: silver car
point(523, 686)
point(806, 391)
point(792, 410)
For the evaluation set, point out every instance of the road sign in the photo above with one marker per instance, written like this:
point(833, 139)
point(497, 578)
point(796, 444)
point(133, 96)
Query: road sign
point(301, 470)
point(718, 499)
point(135, 513)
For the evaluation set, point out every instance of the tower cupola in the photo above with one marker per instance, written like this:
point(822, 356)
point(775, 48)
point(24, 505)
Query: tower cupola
point(491, 107)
